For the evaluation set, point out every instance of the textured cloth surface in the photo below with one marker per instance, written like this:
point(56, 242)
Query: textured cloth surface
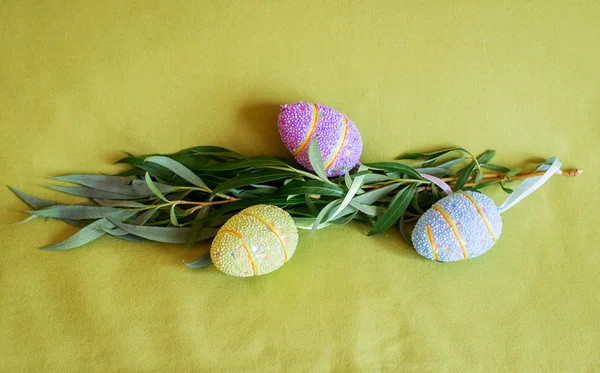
point(82, 81)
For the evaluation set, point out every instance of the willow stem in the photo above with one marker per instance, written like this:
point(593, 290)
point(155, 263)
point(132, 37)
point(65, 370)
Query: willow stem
point(500, 176)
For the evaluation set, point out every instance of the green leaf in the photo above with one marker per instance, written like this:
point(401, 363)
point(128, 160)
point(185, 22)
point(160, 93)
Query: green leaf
point(396, 209)
point(495, 167)
point(404, 232)
point(202, 262)
point(76, 212)
point(395, 167)
point(311, 206)
point(367, 209)
point(452, 163)
point(311, 187)
point(344, 219)
point(321, 217)
point(435, 171)
point(90, 192)
point(375, 178)
point(348, 179)
point(316, 159)
point(512, 172)
point(145, 216)
point(255, 162)
point(506, 189)
point(84, 235)
point(33, 202)
point(153, 188)
point(249, 178)
point(101, 182)
point(486, 157)
point(196, 228)
point(164, 234)
point(173, 215)
point(485, 184)
point(356, 184)
point(113, 203)
point(425, 155)
point(375, 195)
point(463, 175)
point(478, 176)
point(179, 169)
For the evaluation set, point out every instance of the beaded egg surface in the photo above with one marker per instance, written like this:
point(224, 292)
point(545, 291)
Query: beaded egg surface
point(338, 138)
point(460, 226)
point(255, 241)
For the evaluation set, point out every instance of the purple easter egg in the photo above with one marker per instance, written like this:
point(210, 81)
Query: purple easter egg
point(338, 138)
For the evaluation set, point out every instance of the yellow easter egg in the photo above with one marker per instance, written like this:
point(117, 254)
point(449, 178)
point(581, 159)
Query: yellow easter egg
point(255, 241)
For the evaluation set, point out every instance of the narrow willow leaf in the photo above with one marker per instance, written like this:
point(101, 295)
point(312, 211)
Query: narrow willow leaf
point(404, 231)
point(435, 171)
point(251, 162)
point(354, 188)
point(396, 209)
point(202, 262)
point(164, 234)
point(506, 189)
point(173, 215)
point(114, 203)
point(321, 217)
point(76, 212)
point(145, 216)
point(153, 188)
point(485, 184)
point(424, 155)
point(114, 231)
point(486, 157)
point(130, 238)
point(33, 202)
point(495, 167)
point(27, 219)
point(395, 167)
point(345, 219)
point(452, 163)
point(196, 228)
point(512, 172)
point(463, 175)
point(478, 176)
point(83, 236)
point(375, 178)
point(348, 180)
point(369, 210)
point(179, 169)
point(269, 200)
point(308, 223)
point(375, 195)
point(101, 182)
point(311, 206)
point(311, 187)
point(249, 178)
point(316, 159)
point(90, 192)
point(435, 193)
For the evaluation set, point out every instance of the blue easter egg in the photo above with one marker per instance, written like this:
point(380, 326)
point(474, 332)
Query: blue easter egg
point(460, 226)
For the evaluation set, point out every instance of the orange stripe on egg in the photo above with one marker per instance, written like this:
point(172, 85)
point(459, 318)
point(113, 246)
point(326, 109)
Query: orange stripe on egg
point(272, 229)
point(238, 235)
point(481, 214)
point(313, 126)
point(430, 235)
point(454, 229)
point(336, 153)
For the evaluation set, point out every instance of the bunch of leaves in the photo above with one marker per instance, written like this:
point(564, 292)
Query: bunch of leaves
point(186, 196)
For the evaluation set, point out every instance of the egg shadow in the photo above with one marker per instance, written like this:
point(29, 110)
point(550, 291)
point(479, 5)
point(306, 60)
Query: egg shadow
point(260, 129)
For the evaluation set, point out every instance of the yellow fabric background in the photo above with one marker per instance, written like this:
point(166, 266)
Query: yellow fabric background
point(82, 80)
